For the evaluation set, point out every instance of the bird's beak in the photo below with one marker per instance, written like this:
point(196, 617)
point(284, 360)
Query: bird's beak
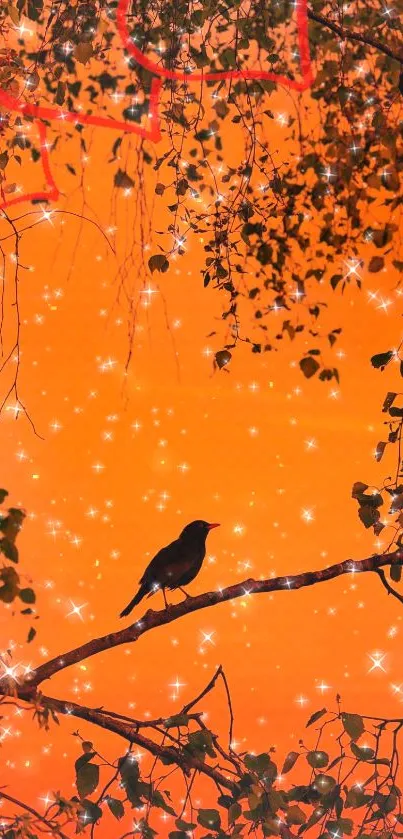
point(210, 527)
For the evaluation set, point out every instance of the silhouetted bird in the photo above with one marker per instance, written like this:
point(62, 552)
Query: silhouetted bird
point(176, 565)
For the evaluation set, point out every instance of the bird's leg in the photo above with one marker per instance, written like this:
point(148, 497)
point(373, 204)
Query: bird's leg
point(165, 598)
point(184, 592)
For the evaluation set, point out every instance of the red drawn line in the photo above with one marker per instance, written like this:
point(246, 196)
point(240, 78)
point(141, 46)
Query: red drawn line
point(153, 67)
point(12, 103)
point(52, 194)
point(153, 132)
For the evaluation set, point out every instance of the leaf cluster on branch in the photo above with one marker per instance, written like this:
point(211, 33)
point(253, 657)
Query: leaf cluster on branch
point(288, 213)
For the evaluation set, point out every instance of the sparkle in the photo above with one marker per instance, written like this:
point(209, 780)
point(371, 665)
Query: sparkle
point(76, 610)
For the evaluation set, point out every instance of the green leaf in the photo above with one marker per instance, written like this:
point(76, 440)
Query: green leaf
point(362, 752)
point(10, 579)
point(368, 515)
point(354, 725)
point(116, 807)
point(130, 775)
point(31, 635)
point(382, 359)
point(376, 264)
point(324, 783)
point(262, 765)
point(176, 721)
point(158, 262)
point(210, 819)
point(158, 800)
point(389, 400)
point(309, 366)
point(396, 573)
point(122, 180)
point(90, 813)
point(183, 825)
point(27, 595)
point(234, 812)
point(289, 762)
point(317, 759)
point(295, 815)
point(380, 448)
point(222, 357)
point(316, 716)
point(200, 744)
point(87, 778)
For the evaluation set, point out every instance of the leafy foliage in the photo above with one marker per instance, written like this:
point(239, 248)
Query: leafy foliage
point(292, 221)
point(10, 581)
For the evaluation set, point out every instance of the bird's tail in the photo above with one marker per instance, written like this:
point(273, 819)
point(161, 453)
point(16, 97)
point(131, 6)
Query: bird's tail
point(143, 590)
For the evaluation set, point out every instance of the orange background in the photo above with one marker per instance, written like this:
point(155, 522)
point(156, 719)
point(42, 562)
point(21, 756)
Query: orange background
point(244, 436)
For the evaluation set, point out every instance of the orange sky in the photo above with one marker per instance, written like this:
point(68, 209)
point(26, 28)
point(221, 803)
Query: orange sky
point(252, 449)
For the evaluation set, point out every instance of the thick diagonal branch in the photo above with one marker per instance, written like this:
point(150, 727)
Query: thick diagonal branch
point(152, 620)
point(130, 732)
point(346, 35)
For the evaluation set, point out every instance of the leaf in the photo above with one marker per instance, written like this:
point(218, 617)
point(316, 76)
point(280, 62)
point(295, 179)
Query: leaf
point(380, 448)
point(309, 366)
point(234, 812)
point(324, 783)
point(130, 775)
point(358, 489)
point(289, 762)
point(116, 807)
point(222, 357)
point(87, 747)
point(9, 549)
point(158, 800)
point(176, 721)
point(210, 819)
point(122, 180)
point(87, 778)
point(262, 765)
point(382, 359)
point(396, 573)
point(295, 815)
point(376, 264)
point(317, 759)
point(27, 595)
point(10, 580)
point(183, 825)
point(368, 515)
point(60, 93)
point(362, 752)
point(90, 813)
point(200, 744)
point(158, 262)
point(353, 724)
point(316, 716)
point(83, 52)
point(389, 400)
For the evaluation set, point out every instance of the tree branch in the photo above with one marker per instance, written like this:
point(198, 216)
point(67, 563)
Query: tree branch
point(56, 831)
point(129, 731)
point(387, 585)
point(346, 35)
point(152, 620)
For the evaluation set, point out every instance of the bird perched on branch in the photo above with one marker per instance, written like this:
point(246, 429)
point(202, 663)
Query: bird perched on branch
point(176, 565)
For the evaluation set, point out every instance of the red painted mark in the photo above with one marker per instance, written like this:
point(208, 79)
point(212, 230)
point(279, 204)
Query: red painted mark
point(153, 131)
point(157, 69)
